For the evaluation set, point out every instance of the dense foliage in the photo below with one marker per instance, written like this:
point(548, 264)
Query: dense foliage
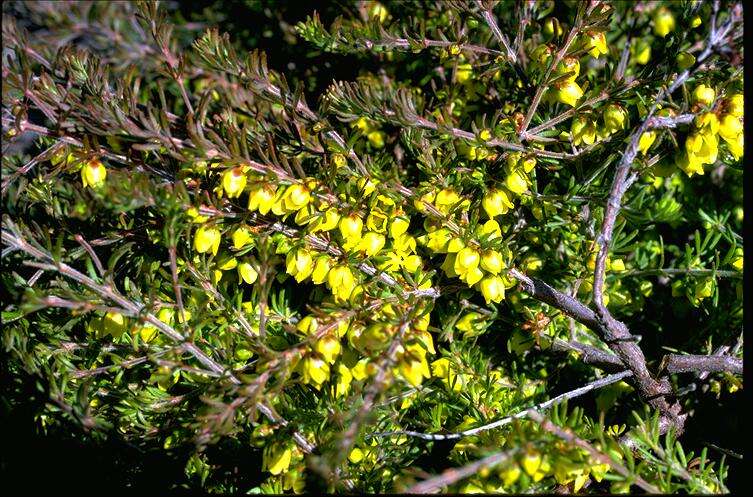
point(391, 240)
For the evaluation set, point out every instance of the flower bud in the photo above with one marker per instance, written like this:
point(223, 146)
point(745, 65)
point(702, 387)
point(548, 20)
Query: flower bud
point(321, 269)
point(597, 42)
point(583, 130)
point(329, 347)
point(552, 28)
point(646, 140)
point(685, 60)
point(664, 22)
point(730, 127)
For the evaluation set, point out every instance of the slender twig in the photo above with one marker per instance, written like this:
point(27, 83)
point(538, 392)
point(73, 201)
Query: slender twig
point(676, 363)
point(453, 475)
point(568, 436)
point(594, 385)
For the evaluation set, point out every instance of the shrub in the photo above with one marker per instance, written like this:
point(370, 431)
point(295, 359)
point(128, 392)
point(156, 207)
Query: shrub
point(510, 206)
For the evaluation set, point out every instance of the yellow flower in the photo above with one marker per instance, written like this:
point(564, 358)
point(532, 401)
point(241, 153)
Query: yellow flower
point(493, 289)
point(315, 371)
point(597, 42)
point(695, 22)
point(568, 65)
point(730, 127)
point(341, 281)
point(328, 347)
point(398, 226)
point(470, 324)
point(299, 264)
point(446, 200)
point(228, 264)
point(233, 182)
point(466, 260)
point(376, 138)
point(496, 202)
point(437, 240)
point(532, 263)
point(276, 459)
point(404, 243)
point(197, 218)
point(617, 265)
point(366, 185)
point(736, 105)
point(704, 94)
point(351, 227)
point(321, 269)
point(261, 198)
point(567, 92)
point(615, 118)
point(510, 475)
point(241, 237)
point(296, 197)
point(516, 182)
point(646, 140)
point(491, 229)
point(377, 221)
point(707, 123)
point(531, 462)
point(413, 365)
point(664, 22)
point(328, 221)
point(93, 174)
point(371, 243)
point(583, 130)
point(307, 325)
point(464, 72)
point(491, 261)
point(344, 378)
point(207, 239)
point(114, 324)
point(736, 146)
point(247, 272)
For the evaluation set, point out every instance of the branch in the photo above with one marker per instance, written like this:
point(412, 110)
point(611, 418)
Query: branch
point(677, 363)
point(568, 436)
point(452, 475)
point(594, 385)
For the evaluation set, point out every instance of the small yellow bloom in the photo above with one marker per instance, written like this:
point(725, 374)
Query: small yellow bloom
point(261, 198)
point(491, 261)
point(351, 227)
point(341, 281)
point(233, 182)
point(326, 222)
point(615, 118)
point(307, 324)
point(276, 459)
point(344, 378)
point(446, 199)
point(496, 202)
point(646, 140)
point(321, 269)
point(664, 22)
point(466, 259)
point(206, 240)
point(241, 237)
point(464, 72)
point(597, 42)
point(493, 289)
point(114, 324)
point(704, 94)
point(228, 264)
point(583, 130)
point(328, 347)
point(736, 105)
point(376, 138)
point(93, 174)
point(567, 92)
point(398, 226)
point(531, 462)
point(730, 127)
point(516, 182)
point(491, 229)
point(315, 370)
point(299, 264)
point(568, 65)
point(437, 240)
point(371, 243)
point(247, 272)
point(642, 52)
